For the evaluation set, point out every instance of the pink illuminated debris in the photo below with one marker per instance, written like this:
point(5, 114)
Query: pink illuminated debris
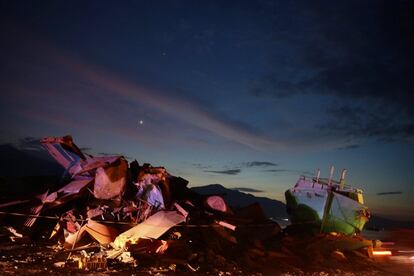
point(110, 173)
point(217, 203)
point(65, 152)
point(100, 232)
point(181, 210)
point(35, 211)
point(110, 180)
point(227, 225)
point(75, 186)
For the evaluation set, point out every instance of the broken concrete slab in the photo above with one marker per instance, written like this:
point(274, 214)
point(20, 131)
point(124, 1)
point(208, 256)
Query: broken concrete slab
point(153, 227)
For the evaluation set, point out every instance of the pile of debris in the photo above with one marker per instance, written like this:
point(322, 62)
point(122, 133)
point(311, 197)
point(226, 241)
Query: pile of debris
point(136, 213)
point(109, 212)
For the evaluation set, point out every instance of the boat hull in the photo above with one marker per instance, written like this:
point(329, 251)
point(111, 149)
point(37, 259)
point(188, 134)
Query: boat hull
point(317, 205)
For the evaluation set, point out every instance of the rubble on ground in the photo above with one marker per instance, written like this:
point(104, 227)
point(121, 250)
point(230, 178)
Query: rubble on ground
point(114, 216)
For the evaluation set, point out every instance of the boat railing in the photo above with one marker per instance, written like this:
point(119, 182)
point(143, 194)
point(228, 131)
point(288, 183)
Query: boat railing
point(334, 183)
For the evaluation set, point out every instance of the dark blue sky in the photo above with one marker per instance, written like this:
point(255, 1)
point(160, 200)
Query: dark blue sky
point(243, 93)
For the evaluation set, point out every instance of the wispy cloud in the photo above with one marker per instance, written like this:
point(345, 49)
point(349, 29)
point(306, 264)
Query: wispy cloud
point(83, 80)
point(380, 121)
point(180, 108)
point(363, 85)
point(276, 170)
point(248, 190)
point(390, 193)
point(258, 164)
point(201, 166)
point(228, 172)
point(349, 147)
point(235, 168)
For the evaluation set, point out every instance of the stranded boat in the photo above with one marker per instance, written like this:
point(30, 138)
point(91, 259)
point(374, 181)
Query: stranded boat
point(327, 205)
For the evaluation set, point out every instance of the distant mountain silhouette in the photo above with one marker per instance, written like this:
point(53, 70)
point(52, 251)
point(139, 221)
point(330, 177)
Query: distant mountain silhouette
point(25, 172)
point(272, 208)
point(20, 162)
point(377, 222)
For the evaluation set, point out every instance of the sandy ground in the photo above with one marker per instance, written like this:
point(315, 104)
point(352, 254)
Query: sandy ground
point(39, 259)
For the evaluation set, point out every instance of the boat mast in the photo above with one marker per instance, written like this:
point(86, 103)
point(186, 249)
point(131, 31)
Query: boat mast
point(342, 180)
point(328, 202)
point(331, 175)
point(318, 175)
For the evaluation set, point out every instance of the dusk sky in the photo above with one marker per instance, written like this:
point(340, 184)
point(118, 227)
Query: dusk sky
point(247, 94)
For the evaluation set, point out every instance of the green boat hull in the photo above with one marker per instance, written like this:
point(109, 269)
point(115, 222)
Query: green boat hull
point(325, 211)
